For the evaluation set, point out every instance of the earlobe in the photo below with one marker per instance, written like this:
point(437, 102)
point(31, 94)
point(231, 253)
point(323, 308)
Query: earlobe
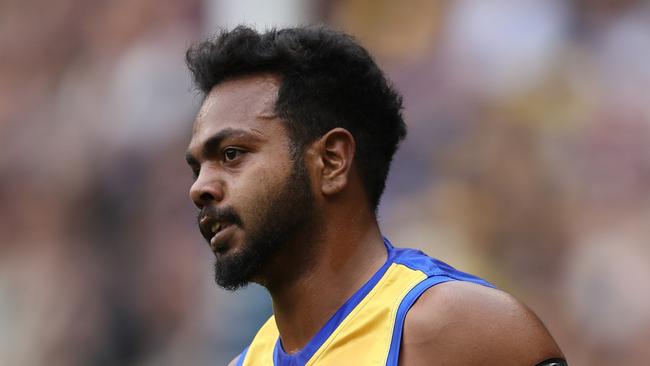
point(337, 149)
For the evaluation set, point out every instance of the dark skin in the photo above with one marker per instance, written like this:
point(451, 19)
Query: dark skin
point(240, 150)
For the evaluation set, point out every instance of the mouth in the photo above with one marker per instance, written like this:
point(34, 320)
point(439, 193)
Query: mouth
point(215, 232)
point(222, 233)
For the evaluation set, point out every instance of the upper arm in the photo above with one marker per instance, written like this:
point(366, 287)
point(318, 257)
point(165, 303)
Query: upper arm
point(460, 323)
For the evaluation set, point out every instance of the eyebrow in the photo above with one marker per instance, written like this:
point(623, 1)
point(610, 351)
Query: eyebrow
point(213, 143)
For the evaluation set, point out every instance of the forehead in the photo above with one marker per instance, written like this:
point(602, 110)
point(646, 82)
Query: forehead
point(243, 103)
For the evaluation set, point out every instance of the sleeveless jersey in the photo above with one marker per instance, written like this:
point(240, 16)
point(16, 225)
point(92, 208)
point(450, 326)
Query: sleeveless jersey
point(367, 329)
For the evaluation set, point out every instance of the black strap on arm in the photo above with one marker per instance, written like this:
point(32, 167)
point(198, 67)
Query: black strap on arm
point(553, 362)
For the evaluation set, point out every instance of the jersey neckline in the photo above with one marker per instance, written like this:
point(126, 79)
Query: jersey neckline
point(300, 358)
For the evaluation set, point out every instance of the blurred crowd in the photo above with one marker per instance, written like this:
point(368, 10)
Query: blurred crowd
point(527, 162)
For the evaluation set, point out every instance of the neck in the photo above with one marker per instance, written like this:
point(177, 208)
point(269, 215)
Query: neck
point(346, 254)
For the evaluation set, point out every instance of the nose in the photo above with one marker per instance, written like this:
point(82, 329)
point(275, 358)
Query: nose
point(205, 191)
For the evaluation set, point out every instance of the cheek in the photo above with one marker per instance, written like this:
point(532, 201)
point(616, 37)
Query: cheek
point(253, 189)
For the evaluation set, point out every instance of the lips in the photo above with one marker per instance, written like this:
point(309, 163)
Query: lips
point(213, 230)
point(219, 241)
point(209, 226)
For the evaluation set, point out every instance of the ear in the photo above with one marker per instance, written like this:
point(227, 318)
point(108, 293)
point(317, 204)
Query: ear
point(335, 152)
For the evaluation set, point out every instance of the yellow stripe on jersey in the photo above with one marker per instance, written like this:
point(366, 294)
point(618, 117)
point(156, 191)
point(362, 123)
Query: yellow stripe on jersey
point(371, 323)
point(260, 352)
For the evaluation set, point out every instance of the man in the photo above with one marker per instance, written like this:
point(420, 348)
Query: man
point(290, 152)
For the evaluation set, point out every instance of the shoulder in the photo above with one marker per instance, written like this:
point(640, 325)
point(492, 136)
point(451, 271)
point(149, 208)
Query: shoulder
point(461, 323)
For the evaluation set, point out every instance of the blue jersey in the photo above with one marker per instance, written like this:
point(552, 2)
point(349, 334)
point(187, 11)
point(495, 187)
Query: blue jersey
point(367, 329)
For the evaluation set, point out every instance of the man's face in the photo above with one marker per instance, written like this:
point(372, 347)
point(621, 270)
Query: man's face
point(253, 197)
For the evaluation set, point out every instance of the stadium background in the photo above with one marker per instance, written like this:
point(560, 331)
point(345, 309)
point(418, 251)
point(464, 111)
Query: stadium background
point(527, 162)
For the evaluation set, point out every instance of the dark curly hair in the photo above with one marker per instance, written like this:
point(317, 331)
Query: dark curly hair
point(328, 81)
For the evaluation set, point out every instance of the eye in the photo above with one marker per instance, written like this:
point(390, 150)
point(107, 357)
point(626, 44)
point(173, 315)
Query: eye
point(230, 154)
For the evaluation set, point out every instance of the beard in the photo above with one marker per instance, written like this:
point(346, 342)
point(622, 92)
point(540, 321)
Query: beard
point(278, 218)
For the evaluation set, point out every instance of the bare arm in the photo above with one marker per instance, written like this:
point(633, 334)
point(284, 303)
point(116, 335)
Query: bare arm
point(459, 323)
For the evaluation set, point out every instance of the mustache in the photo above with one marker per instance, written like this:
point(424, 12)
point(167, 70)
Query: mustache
point(224, 214)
